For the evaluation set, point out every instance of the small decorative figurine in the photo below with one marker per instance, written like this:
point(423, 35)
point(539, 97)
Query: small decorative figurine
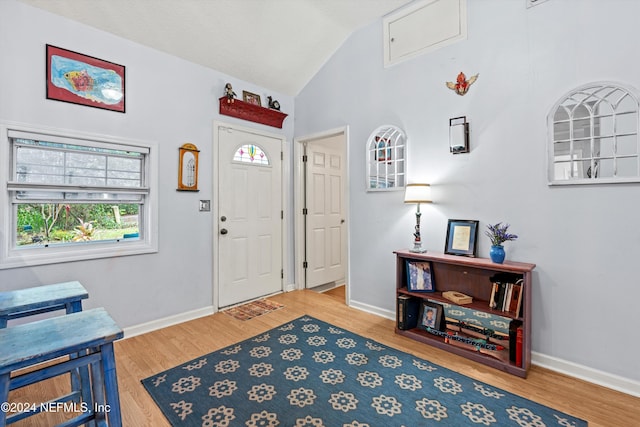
point(461, 86)
point(273, 103)
point(229, 93)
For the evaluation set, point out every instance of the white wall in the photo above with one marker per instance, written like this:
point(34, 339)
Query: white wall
point(169, 101)
point(584, 240)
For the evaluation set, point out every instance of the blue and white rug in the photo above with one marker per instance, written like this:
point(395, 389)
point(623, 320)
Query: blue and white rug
point(310, 373)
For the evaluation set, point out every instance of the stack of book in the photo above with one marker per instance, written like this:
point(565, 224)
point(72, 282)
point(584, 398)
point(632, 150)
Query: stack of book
point(507, 296)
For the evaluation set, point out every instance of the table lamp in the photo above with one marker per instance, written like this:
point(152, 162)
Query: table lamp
point(417, 193)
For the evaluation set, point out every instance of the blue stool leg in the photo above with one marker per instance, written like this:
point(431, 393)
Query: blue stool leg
point(3, 321)
point(97, 384)
point(4, 396)
point(80, 377)
point(111, 385)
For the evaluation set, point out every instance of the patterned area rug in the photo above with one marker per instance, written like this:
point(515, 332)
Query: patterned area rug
point(310, 373)
point(253, 309)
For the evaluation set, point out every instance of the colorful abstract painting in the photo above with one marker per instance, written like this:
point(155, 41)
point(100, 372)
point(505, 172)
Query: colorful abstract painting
point(81, 79)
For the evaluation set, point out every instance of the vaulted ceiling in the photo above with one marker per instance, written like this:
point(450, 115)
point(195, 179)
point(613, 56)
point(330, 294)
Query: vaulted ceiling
point(275, 44)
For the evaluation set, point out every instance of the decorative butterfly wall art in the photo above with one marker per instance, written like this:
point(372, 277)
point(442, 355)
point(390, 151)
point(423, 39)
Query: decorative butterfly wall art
point(462, 85)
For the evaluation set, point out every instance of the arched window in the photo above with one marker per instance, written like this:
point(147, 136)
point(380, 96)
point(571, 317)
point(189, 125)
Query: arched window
point(250, 153)
point(593, 136)
point(386, 166)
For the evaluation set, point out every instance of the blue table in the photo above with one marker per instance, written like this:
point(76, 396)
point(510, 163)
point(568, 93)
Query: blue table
point(27, 302)
point(87, 334)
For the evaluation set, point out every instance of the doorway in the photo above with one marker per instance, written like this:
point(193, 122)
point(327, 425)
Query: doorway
point(321, 210)
point(249, 214)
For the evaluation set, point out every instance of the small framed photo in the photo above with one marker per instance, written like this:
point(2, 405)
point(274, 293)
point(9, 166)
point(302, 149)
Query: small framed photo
point(462, 237)
point(420, 276)
point(251, 98)
point(432, 316)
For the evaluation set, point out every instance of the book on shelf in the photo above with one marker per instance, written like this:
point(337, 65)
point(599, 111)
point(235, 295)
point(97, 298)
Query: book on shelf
point(515, 301)
point(408, 312)
point(507, 297)
point(519, 343)
point(514, 326)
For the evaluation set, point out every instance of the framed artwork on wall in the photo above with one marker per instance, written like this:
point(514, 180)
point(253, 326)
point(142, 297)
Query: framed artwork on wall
point(462, 237)
point(82, 79)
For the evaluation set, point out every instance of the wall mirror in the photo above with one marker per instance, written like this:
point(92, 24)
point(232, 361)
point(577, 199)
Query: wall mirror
point(459, 135)
point(386, 167)
point(188, 168)
point(593, 136)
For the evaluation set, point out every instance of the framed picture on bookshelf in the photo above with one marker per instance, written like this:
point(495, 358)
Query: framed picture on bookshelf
point(462, 236)
point(432, 316)
point(420, 276)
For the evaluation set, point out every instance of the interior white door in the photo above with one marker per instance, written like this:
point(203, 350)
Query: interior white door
point(250, 215)
point(325, 228)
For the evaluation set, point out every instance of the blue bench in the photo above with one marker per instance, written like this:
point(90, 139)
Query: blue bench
point(41, 299)
point(89, 335)
point(66, 296)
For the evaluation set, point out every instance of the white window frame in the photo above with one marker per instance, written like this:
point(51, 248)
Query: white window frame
point(12, 256)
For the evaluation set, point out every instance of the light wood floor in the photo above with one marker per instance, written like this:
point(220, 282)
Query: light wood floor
point(145, 355)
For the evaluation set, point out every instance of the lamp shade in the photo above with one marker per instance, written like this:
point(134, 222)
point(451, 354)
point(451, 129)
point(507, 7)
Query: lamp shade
point(417, 193)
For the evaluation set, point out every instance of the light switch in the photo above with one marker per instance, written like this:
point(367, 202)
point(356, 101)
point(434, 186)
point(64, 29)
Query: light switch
point(205, 205)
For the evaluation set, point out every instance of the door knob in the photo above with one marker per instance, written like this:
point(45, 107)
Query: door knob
point(223, 231)
point(223, 218)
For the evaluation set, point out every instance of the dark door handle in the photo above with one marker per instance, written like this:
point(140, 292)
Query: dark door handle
point(223, 231)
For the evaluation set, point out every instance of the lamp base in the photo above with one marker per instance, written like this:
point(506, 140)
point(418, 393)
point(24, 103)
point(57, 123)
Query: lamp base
point(417, 248)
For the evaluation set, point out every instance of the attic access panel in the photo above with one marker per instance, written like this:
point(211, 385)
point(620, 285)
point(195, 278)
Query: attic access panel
point(423, 27)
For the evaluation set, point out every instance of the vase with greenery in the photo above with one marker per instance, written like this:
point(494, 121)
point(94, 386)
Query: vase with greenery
point(498, 234)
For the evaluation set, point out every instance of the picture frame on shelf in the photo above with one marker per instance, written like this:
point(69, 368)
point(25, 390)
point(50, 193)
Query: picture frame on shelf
point(251, 98)
point(432, 316)
point(85, 80)
point(462, 237)
point(420, 276)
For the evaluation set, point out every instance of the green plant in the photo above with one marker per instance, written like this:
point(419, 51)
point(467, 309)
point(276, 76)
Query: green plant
point(84, 231)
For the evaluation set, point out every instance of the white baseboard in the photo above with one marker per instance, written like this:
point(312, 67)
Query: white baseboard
point(387, 314)
point(143, 328)
point(614, 382)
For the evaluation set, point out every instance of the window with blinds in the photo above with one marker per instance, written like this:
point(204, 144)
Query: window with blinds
point(67, 193)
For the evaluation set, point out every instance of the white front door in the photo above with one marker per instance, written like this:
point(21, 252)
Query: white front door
point(250, 215)
point(325, 227)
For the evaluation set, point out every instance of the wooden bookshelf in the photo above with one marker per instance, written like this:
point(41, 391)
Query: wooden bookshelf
point(470, 276)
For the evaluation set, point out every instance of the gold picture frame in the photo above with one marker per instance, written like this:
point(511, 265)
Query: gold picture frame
point(251, 98)
point(188, 168)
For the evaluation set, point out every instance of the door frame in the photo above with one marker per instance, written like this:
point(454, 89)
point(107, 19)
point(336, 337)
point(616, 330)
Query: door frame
point(299, 194)
point(215, 229)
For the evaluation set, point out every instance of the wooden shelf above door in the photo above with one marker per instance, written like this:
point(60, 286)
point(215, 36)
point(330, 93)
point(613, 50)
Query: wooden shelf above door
point(254, 113)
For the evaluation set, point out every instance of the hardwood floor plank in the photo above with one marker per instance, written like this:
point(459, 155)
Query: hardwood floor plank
point(145, 355)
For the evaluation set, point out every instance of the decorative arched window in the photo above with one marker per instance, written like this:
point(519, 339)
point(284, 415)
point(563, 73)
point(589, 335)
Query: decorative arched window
point(250, 153)
point(593, 136)
point(386, 166)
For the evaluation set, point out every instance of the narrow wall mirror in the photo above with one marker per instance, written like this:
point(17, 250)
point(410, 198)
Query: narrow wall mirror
point(458, 135)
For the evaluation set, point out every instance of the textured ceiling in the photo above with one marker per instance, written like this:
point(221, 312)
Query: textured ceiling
point(276, 44)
